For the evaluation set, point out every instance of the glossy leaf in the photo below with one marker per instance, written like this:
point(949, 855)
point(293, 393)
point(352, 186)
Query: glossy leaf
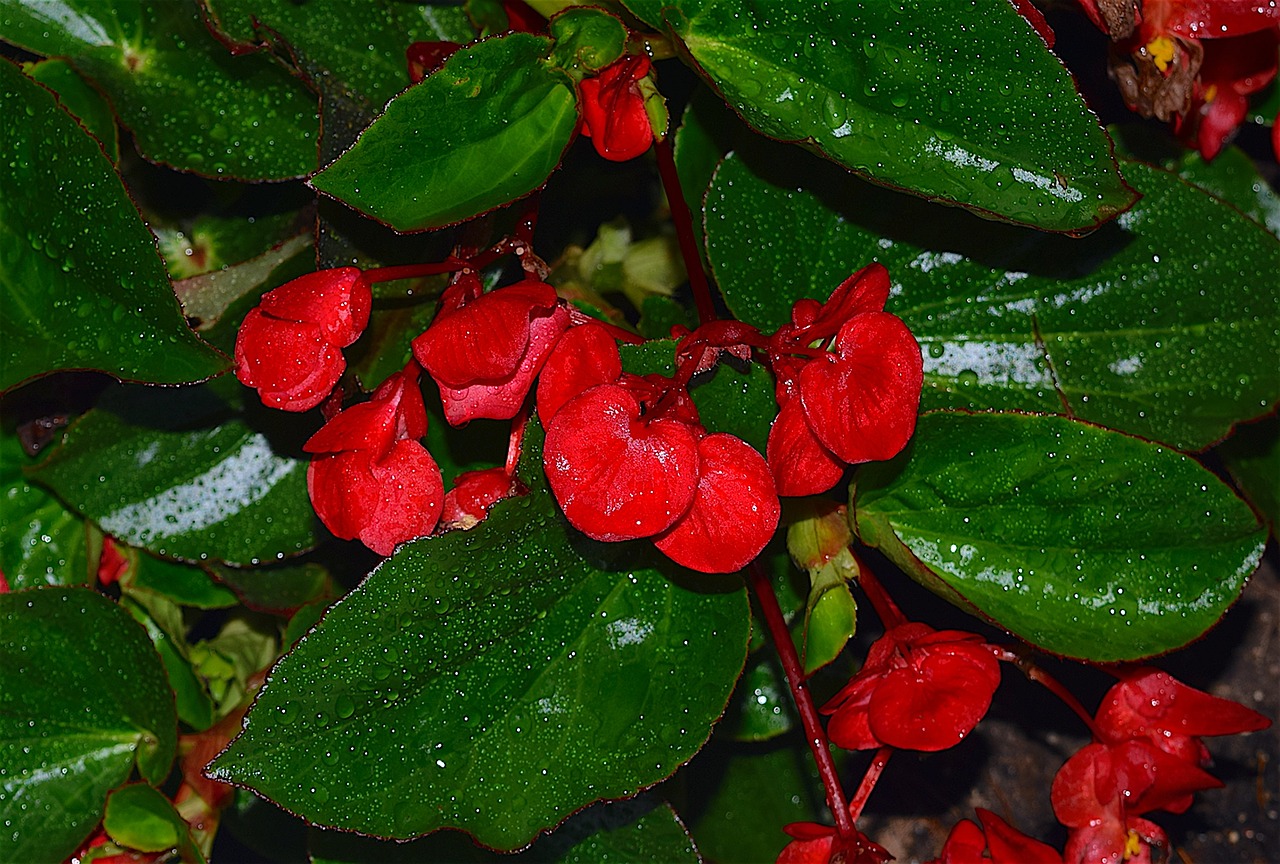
point(1155, 324)
point(181, 583)
point(163, 622)
point(485, 129)
point(1252, 456)
point(188, 102)
point(279, 589)
point(1078, 539)
point(357, 49)
point(206, 297)
point(81, 285)
point(1233, 177)
point(493, 681)
point(831, 620)
point(761, 708)
point(139, 817)
point(145, 472)
point(967, 107)
point(41, 541)
point(82, 696)
point(213, 243)
point(80, 100)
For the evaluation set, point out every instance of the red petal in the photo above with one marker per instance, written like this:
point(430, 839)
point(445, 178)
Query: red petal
point(616, 477)
point(484, 340)
point(863, 292)
point(585, 356)
point(862, 403)
point(290, 363)
point(799, 462)
point(501, 400)
point(964, 845)
point(336, 300)
point(1010, 846)
point(1152, 704)
point(613, 112)
point(473, 493)
point(933, 703)
point(395, 412)
point(734, 513)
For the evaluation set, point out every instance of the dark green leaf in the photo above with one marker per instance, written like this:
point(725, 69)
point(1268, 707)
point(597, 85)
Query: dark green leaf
point(1078, 539)
point(968, 107)
point(279, 589)
point(41, 541)
point(158, 470)
point(213, 243)
point(164, 625)
point(491, 680)
point(189, 103)
point(139, 817)
point(353, 49)
point(737, 402)
point(761, 707)
point(831, 620)
point(586, 41)
point(1233, 177)
point(181, 583)
point(386, 346)
point(486, 128)
point(81, 101)
point(82, 694)
point(81, 285)
point(1155, 324)
point(1252, 455)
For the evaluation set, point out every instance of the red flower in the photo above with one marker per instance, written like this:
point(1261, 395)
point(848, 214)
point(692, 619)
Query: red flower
point(1151, 705)
point(920, 689)
point(855, 403)
point(1190, 61)
point(627, 458)
point(289, 346)
point(112, 564)
point(819, 844)
point(485, 350)
point(613, 113)
point(1006, 845)
point(374, 480)
point(473, 493)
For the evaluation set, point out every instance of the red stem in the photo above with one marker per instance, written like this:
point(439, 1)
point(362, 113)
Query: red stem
point(874, 770)
point(684, 231)
point(1053, 685)
point(886, 610)
point(814, 734)
point(412, 271)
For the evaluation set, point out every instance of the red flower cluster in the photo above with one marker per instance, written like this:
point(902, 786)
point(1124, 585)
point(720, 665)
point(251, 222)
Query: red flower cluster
point(1148, 756)
point(819, 844)
point(852, 400)
point(1003, 844)
point(290, 346)
point(485, 350)
point(372, 478)
point(627, 458)
point(920, 689)
point(613, 112)
point(1192, 62)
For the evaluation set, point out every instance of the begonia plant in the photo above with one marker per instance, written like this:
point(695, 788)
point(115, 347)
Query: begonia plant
point(481, 430)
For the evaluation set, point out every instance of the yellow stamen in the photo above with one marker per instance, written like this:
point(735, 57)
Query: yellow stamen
point(1161, 50)
point(1132, 844)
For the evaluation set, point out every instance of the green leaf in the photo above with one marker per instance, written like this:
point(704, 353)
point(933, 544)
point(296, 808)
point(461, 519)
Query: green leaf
point(279, 589)
point(967, 107)
point(80, 100)
point(740, 403)
point(207, 297)
point(81, 285)
point(483, 130)
point(353, 49)
point(189, 103)
point(1252, 455)
point(174, 473)
point(1154, 324)
point(1233, 177)
point(41, 541)
point(586, 41)
point(181, 583)
point(82, 695)
point(164, 625)
point(139, 817)
point(213, 243)
point(831, 620)
point(761, 707)
point(492, 681)
point(1081, 540)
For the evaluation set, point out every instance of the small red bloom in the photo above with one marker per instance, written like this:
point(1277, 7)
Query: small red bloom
point(1006, 845)
point(373, 479)
point(485, 350)
point(473, 493)
point(920, 689)
point(854, 403)
point(613, 113)
point(289, 346)
point(113, 564)
point(819, 844)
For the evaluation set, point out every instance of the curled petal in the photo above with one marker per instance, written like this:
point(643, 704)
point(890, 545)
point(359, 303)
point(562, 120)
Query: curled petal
point(484, 341)
point(613, 112)
point(617, 477)
point(799, 462)
point(862, 402)
point(290, 363)
point(864, 291)
point(383, 501)
point(584, 356)
point(501, 400)
point(336, 300)
point(1010, 846)
point(473, 493)
point(394, 412)
point(734, 513)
